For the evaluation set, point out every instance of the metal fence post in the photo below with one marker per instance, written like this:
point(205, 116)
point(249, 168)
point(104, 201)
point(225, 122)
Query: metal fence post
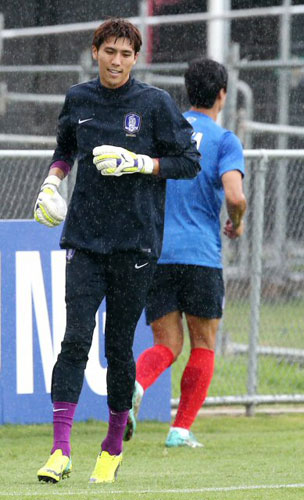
point(283, 114)
point(1, 29)
point(143, 14)
point(256, 279)
point(243, 245)
point(231, 103)
point(86, 64)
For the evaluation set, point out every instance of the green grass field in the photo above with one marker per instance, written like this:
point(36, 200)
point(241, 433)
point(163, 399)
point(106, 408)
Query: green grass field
point(281, 323)
point(243, 458)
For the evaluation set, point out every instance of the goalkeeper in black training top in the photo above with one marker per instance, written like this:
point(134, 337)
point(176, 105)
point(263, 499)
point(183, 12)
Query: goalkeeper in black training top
point(115, 126)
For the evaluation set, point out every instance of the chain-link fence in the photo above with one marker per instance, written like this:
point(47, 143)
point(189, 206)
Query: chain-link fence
point(20, 179)
point(260, 345)
point(21, 175)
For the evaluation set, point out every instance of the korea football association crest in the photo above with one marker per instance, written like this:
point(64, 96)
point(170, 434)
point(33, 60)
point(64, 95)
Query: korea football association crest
point(132, 124)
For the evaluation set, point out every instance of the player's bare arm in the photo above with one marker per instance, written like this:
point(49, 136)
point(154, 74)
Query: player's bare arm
point(58, 172)
point(155, 166)
point(235, 203)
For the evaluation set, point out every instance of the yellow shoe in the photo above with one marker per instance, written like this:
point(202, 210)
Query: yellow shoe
point(57, 467)
point(106, 468)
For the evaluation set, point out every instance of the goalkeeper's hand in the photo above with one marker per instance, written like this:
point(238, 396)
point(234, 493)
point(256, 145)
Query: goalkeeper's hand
point(50, 208)
point(112, 160)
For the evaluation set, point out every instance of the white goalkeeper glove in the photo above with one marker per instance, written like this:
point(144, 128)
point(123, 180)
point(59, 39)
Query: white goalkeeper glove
point(50, 208)
point(112, 160)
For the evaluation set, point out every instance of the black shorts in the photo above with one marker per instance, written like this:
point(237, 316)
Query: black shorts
point(196, 290)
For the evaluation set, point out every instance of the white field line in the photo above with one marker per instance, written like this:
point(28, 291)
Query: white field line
point(93, 489)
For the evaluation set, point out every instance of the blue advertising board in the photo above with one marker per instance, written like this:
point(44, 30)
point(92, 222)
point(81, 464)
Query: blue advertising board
point(33, 325)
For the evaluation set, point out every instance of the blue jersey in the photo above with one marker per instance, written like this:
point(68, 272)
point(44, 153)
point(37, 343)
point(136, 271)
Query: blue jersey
point(192, 216)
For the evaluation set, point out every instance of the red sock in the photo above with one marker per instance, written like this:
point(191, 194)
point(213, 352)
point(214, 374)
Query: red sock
point(151, 363)
point(195, 383)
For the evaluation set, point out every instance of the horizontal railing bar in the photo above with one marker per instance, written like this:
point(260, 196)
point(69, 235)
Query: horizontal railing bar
point(42, 98)
point(278, 352)
point(269, 64)
point(154, 21)
point(28, 139)
point(26, 153)
point(76, 68)
point(40, 68)
point(274, 153)
point(248, 153)
point(272, 128)
point(248, 400)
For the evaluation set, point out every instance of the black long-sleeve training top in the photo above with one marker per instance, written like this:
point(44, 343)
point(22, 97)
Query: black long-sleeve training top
point(109, 214)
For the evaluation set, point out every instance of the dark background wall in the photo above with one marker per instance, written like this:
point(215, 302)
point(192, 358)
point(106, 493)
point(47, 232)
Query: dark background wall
point(54, 49)
point(258, 39)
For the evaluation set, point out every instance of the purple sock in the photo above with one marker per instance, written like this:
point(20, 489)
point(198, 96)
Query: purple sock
point(63, 413)
point(117, 423)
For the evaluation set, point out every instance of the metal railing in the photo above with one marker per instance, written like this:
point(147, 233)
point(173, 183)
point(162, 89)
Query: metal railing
point(155, 21)
point(154, 72)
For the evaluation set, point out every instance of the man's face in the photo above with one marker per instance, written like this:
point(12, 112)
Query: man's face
point(115, 60)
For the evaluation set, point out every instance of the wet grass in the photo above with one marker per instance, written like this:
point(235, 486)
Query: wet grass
point(242, 458)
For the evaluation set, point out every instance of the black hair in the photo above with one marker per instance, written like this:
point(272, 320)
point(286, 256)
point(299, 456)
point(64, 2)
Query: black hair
point(204, 79)
point(118, 28)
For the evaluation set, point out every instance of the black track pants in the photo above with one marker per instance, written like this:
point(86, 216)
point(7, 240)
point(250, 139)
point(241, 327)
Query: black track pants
point(124, 279)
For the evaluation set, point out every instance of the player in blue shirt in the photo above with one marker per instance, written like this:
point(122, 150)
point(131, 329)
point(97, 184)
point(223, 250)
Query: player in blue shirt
point(115, 126)
point(189, 277)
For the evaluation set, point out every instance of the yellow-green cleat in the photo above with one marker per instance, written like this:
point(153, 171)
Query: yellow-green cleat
point(106, 468)
point(56, 468)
